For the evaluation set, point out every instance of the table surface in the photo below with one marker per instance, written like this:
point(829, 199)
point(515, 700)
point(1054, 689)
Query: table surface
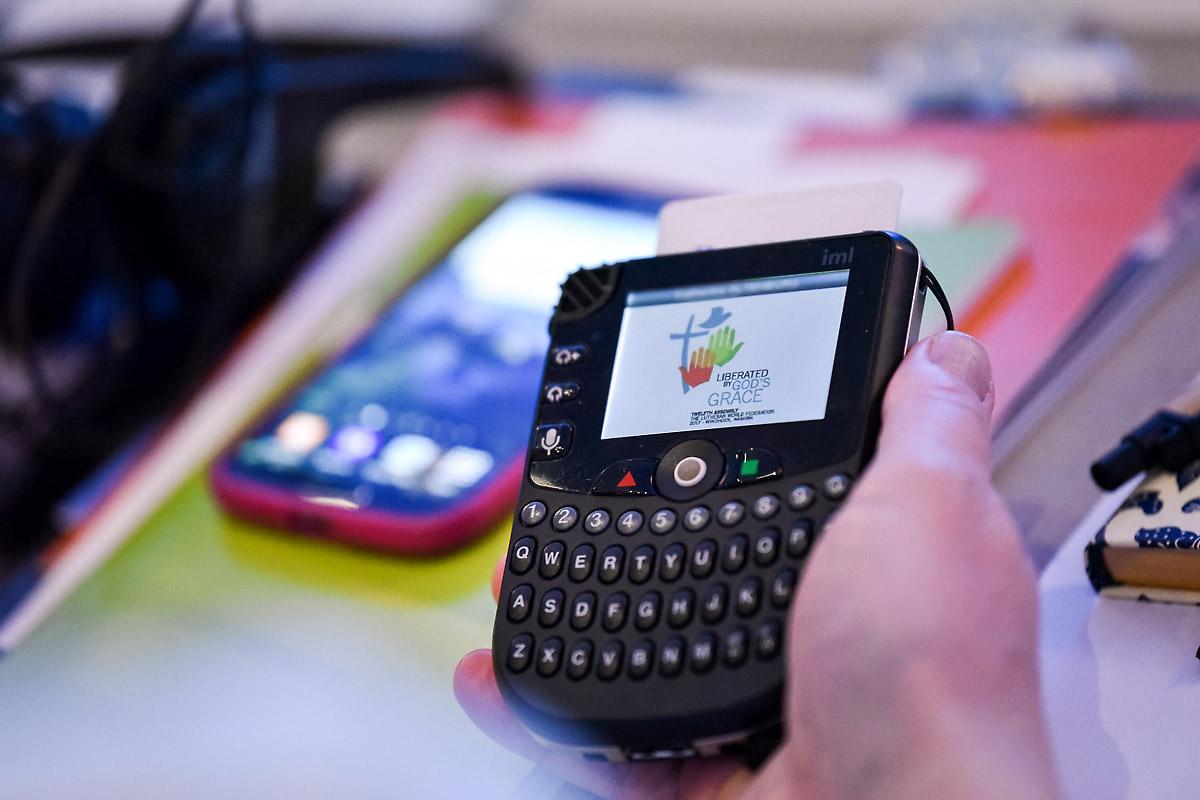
point(1120, 682)
point(212, 659)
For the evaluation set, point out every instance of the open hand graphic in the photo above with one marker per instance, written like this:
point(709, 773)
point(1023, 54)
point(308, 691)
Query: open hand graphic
point(721, 345)
point(700, 367)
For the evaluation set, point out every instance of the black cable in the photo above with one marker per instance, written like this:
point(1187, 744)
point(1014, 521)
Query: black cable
point(50, 206)
point(1167, 440)
point(157, 235)
point(931, 283)
point(54, 202)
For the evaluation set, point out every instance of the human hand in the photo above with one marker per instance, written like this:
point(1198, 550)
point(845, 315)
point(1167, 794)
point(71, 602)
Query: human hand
point(700, 367)
point(912, 668)
point(722, 346)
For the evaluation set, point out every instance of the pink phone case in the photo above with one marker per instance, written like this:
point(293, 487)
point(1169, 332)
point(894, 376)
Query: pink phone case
point(409, 534)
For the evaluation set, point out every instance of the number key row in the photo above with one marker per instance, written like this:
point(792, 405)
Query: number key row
point(663, 521)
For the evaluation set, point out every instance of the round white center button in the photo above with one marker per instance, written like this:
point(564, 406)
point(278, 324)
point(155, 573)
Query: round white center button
point(690, 471)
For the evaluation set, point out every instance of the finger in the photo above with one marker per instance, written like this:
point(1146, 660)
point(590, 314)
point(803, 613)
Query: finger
point(938, 407)
point(476, 690)
point(498, 578)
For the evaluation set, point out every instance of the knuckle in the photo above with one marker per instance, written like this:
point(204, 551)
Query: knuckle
point(933, 475)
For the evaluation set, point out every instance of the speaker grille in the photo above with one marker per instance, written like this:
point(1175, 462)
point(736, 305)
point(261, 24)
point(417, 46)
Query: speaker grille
point(585, 291)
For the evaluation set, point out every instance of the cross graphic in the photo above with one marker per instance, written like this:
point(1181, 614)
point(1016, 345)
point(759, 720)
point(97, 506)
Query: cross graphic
point(687, 336)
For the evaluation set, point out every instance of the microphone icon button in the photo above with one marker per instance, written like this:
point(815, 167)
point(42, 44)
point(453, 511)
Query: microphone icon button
point(552, 441)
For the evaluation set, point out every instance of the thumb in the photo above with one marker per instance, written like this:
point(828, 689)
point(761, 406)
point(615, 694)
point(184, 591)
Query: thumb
point(938, 408)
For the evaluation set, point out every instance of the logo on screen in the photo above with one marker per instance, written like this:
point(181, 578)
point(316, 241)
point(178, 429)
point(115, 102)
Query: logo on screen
point(716, 345)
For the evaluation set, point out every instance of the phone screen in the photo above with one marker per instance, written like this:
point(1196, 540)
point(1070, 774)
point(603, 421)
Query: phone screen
point(439, 394)
point(722, 355)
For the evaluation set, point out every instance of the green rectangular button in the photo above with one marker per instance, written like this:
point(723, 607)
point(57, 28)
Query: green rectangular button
point(749, 468)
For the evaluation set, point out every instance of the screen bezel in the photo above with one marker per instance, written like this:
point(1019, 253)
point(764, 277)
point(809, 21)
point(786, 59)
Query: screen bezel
point(841, 281)
point(877, 278)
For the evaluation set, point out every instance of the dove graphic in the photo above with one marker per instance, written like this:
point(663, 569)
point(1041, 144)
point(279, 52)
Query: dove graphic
point(717, 316)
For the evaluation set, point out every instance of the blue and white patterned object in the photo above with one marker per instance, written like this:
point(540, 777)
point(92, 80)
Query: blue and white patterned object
point(1148, 502)
point(1162, 513)
point(1169, 537)
point(1159, 513)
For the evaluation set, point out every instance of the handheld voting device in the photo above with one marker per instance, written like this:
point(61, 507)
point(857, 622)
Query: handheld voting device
point(701, 415)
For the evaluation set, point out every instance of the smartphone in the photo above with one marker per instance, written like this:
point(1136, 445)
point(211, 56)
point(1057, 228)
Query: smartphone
point(722, 405)
point(412, 439)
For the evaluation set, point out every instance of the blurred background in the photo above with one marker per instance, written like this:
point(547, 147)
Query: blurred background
point(636, 36)
point(275, 277)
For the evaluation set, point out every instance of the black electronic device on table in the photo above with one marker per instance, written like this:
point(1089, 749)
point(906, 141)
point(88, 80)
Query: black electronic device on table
point(701, 416)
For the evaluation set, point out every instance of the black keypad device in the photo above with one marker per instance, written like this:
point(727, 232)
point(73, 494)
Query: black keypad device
point(680, 472)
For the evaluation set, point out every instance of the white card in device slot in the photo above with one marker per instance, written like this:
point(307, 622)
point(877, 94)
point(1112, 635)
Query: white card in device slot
point(708, 223)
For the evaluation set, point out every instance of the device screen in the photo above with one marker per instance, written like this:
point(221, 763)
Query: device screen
point(439, 393)
point(751, 352)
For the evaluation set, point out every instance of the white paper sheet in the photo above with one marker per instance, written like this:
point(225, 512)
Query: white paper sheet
point(733, 220)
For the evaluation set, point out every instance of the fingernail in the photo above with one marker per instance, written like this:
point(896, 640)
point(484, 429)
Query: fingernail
point(964, 358)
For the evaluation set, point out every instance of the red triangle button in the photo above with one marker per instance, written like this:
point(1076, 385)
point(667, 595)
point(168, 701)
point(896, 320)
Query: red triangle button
point(628, 482)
